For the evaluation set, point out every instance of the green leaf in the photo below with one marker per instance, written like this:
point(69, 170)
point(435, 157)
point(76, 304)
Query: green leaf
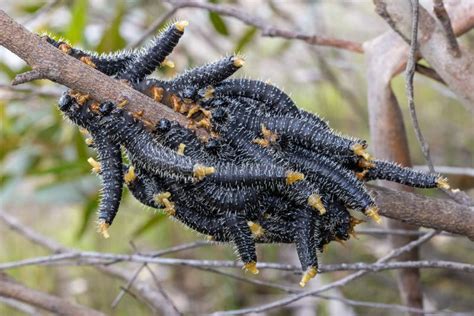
point(31, 7)
point(7, 71)
point(218, 23)
point(81, 147)
point(246, 38)
point(70, 168)
point(148, 224)
point(112, 40)
point(88, 210)
point(78, 22)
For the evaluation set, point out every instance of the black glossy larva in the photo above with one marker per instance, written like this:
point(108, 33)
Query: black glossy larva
point(268, 172)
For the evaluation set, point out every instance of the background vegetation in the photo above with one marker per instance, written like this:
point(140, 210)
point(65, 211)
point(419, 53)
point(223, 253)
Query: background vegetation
point(47, 183)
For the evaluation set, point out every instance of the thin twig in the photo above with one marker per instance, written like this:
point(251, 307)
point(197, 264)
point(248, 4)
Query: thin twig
point(153, 298)
point(178, 248)
point(154, 27)
point(155, 254)
point(443, 17)
point(288, 300)
point(267, 29)
point(429, 72)
point(28, 76)
point(449, 170)
point(11, 289)
point(290, 289)
point(162, 290)
point(43, 10)
point(124, 290)
point(90, 258)
point(401, 232)
point(409, 75)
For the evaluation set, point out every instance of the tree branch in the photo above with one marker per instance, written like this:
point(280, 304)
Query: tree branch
point(455, 71)
point(443, 17)
point(53, 304)
point(268, 29)
point(341, 282)
point(63, 69)
point(440, 214)
point(147, 292)
point(389, 141)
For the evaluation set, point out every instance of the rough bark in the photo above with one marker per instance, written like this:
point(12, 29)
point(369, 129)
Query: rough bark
point(416, 209)
point(50, 63)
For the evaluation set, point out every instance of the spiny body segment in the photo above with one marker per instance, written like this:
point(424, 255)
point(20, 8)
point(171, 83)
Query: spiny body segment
point(269, 173)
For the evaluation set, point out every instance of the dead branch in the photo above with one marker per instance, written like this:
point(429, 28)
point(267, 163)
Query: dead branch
point(71, 256)
point(147, 292)
point(266, 28)
point(53, 304)
point(290, 289)
point(443, 17)
point(455, 71)
point(272, 31)
point(290, 299)
point(91, 258)
point(361, 267)
point(420, 211)
point(50, 63)
point(388, 134)
point(409, 76)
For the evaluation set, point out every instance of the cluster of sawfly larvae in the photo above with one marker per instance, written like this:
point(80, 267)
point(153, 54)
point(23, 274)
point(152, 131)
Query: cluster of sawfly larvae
point(267, 173)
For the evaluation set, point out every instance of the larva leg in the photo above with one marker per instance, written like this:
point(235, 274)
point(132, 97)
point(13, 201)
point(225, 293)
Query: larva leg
point(304, 193)
point(244, 142)
point(142, 187)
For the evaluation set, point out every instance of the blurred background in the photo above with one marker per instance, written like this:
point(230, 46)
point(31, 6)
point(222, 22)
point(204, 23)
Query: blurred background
point(47, 183)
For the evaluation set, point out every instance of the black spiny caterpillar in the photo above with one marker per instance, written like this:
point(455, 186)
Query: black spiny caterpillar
point(269, 173)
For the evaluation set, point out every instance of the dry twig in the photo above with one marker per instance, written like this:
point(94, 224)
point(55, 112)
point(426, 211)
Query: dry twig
point(288, 300)
point(148, 293)
point(443, 17)
point(409, 76)
point(266, 28)
point(455, 71)
point(53, 304)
